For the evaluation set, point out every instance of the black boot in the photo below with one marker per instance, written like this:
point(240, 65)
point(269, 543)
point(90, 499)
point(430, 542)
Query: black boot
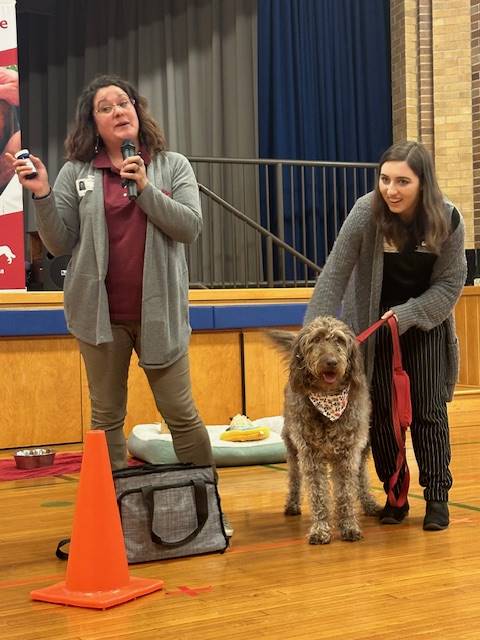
point(436, 516)
point(393, 515)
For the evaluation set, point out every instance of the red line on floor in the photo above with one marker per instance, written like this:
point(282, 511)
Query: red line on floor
point(265, 546)
point(189, 591)
point(5, 584)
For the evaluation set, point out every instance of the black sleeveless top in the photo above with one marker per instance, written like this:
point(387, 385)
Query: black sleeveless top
point(407, 273)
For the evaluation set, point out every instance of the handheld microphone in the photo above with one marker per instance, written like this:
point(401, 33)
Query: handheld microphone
point(128, 150)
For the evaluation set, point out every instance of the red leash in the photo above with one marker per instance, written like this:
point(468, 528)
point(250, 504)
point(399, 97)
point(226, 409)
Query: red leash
point(401, 409)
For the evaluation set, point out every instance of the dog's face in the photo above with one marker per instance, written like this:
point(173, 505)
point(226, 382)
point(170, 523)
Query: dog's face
point(324, 355)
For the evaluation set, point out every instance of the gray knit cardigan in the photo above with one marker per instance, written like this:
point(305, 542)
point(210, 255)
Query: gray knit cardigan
point(350, 285)
point(71, 224)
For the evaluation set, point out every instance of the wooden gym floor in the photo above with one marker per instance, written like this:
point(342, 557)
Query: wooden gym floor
point(399, 581)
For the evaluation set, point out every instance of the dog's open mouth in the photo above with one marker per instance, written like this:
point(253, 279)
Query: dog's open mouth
point(330, 377)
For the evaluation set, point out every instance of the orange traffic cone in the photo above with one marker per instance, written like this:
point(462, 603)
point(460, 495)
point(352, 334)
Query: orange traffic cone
point(97, 571)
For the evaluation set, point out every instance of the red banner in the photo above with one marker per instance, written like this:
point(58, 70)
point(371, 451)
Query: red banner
point(8, 57)
point(12, 255)
point(12, 265)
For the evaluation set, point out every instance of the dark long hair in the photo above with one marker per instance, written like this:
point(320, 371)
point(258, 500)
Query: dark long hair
point(430, 224)
point(81, 141)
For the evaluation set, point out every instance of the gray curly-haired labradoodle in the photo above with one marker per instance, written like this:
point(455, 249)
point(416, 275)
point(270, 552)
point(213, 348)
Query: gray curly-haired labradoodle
point(327, 414)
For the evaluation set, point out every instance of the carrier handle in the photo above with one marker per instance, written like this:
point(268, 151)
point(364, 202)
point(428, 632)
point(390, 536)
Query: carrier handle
point(62, 555)
point(201, 507)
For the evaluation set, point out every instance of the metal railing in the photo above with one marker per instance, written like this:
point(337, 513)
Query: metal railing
point(270, 222)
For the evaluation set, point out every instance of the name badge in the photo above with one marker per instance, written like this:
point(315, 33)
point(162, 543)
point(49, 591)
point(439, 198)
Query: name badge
point(84, 185)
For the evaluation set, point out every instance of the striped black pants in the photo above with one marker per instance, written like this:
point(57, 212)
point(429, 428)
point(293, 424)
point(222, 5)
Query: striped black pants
point(423, 358)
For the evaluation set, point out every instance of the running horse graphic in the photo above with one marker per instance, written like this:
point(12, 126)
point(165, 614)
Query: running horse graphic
point(7, 252)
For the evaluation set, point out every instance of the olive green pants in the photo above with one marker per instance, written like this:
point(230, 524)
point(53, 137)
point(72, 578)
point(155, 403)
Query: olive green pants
point(107, 368)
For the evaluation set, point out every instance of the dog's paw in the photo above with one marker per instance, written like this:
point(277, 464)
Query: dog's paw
point(319, 536)
point(351, 534)
point(292, 510)
point(370, 507)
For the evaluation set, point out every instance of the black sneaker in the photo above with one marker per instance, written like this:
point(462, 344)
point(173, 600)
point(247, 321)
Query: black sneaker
point(436, 516)
point(393, 515)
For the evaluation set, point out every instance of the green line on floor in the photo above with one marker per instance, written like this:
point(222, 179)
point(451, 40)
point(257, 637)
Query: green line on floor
point(459, 505)
point(274, 467)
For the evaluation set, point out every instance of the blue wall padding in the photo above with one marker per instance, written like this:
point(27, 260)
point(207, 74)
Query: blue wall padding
point(201, 318)
point(258, 315)
point(51, 322)
point(35, 322)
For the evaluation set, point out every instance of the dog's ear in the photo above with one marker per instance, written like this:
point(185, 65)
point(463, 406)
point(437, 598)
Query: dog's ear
point(290, 345)
point(298, 371)
point(282, 339)
point(355, 361)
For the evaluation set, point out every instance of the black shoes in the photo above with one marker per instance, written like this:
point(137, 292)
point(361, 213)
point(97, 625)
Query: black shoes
point(436, 516)
point(393, 515)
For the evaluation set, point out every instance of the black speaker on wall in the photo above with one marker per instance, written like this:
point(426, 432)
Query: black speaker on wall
point(48, 272)
point(473, 266)
point(471, 256)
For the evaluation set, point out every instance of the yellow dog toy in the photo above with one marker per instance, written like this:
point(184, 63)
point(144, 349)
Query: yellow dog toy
point(242, 429)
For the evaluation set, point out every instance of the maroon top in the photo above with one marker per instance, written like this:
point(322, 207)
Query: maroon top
point(126, 228)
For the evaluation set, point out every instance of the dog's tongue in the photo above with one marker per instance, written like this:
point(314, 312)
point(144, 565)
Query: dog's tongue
point(329, 377)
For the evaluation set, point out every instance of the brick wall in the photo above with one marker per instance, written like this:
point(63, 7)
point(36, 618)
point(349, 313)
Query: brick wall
point(452, 104)
point(425, 74)
point(403, 27)
point(435, 64)
point(475, 39)
point(397, 46)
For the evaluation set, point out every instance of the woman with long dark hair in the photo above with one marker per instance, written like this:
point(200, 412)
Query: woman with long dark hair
point(400, 252)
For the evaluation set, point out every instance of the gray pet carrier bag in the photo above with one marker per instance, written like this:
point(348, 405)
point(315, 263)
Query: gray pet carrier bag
point(169, 511)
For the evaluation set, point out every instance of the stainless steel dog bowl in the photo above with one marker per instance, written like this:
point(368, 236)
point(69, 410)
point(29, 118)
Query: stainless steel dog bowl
point(33, 458)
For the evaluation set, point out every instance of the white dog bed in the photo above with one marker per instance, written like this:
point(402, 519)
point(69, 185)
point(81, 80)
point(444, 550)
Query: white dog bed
point(147, 443)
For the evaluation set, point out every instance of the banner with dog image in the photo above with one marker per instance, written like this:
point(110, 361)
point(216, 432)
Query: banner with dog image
point(12, 259)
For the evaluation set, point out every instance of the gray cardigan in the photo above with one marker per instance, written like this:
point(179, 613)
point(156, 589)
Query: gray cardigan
point(350, 285)
point(73, 224)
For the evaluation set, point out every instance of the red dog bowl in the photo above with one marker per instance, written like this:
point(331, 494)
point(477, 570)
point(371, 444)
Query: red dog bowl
point(33, 458)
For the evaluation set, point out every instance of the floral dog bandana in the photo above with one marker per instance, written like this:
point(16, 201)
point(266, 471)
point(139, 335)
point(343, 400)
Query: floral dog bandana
point(330, 405)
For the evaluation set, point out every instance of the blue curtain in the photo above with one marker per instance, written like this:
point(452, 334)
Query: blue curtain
point(324, 88)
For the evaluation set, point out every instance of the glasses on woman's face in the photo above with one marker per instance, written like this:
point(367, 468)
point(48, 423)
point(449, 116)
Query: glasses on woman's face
point(107, 108)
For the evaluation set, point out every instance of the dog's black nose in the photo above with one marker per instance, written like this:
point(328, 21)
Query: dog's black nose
point(331, 362)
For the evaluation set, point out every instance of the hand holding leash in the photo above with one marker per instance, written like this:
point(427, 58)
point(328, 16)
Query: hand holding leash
point(389, 314)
